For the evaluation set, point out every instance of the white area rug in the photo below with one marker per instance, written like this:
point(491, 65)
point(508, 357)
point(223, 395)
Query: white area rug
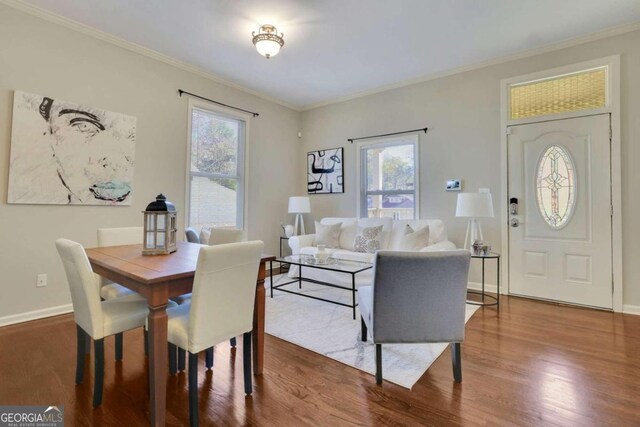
point(330, 330)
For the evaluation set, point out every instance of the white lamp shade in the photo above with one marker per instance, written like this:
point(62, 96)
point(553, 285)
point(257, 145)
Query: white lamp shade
point(299, 205)
point(474, 205)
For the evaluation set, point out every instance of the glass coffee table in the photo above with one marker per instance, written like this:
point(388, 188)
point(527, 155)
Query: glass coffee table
point(331, 264)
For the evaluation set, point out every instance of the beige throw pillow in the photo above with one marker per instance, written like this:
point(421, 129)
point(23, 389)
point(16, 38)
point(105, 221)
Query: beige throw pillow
point(415, 240)
point(368, 239)
point(328, 235)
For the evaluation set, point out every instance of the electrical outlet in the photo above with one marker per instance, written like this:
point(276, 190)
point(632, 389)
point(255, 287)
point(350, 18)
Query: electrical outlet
point(41, 282)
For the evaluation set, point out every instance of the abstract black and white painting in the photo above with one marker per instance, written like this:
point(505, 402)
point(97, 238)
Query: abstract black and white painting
point(325, 171)
point(65, 153)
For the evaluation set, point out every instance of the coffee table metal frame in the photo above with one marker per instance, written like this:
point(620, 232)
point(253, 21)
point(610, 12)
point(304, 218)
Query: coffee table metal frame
point(300, 261)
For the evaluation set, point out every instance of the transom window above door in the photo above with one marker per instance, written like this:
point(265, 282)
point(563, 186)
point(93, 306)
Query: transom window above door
point(389, 178)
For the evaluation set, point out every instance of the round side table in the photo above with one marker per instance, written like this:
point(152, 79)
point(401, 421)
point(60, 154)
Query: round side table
point(491, 299)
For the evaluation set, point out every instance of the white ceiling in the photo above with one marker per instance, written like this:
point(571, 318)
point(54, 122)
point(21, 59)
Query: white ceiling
point(336, 48)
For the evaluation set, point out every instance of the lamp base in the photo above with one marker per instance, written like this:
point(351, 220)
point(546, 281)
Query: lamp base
point(299, 219)
point(474, 233)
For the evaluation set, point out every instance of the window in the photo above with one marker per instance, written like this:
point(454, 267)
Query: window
point(389, 178)
point(584, 90)
point(216, 169)
point(556, 186)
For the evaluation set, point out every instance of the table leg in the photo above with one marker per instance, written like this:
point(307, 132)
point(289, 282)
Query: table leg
point(353, 294)
point(258, 321)
point(271, 275)
point(483, 280)
point(158, 355)
point(498, 285)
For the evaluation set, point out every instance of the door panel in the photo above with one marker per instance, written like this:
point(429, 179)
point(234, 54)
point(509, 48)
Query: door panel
point(560, 173)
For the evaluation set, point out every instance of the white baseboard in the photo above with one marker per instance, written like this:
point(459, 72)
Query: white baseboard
point(35, 314)
point(477, 286)
point(631, 309)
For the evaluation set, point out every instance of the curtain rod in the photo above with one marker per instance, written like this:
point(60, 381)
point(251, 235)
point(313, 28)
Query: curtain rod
point(388, 134)
point(180, 91)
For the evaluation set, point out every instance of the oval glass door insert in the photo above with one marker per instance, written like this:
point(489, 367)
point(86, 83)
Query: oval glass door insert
point(556, 186)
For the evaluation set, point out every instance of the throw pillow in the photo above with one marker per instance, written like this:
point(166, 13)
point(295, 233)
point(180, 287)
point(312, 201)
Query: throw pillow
point(415, 240)
point(368, 239)
point(328, 235)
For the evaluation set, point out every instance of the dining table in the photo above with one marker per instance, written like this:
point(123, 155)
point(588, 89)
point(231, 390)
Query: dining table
point(159, 278)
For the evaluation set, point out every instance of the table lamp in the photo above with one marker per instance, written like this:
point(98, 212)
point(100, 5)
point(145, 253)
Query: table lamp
point(299, 206)
point(474, 206)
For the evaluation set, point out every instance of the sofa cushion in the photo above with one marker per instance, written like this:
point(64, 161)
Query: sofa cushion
point(328, 235)
point(437, 231)
point(414, 240)
point(387, 226)
point(368, 239)
point(347, 230)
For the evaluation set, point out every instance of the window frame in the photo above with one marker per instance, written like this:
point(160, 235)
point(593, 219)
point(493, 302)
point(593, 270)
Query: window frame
point(363, 146)
point(242, 169)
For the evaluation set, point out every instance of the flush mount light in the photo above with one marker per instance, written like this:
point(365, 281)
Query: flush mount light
point(267, 41)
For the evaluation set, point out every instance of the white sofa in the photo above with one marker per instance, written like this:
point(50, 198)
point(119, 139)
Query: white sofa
point(392, 233)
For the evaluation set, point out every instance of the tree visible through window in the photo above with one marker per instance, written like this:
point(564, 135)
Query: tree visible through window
point(389, 179)
point(216, 170)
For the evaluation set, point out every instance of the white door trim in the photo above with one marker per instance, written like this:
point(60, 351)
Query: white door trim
point(612, 64)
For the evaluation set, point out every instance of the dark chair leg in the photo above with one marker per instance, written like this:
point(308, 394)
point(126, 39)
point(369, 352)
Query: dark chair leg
point(456, 358)
point(246, 362)
point(173, 363)
point(233, 342)
point(81, 338)
point(378, 363)
point(87, 343)
point(208, 357)
point(193, 389)
point(98, 375)
point(181, 359)
point(363, 329)
point(146, 342)
point(119, 339)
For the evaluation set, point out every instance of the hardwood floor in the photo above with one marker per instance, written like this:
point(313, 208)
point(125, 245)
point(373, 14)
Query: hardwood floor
point(532, 364)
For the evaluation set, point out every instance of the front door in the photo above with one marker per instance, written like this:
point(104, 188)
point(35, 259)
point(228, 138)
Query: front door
point(560, 227)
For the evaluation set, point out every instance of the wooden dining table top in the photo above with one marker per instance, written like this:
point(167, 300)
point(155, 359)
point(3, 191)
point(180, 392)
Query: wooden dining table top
point(149, 269)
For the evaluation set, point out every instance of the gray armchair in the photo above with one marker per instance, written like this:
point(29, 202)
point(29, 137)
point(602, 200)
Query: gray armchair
point(416, 297)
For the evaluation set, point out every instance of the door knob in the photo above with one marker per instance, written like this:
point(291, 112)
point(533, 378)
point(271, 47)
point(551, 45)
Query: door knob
point(514, 222)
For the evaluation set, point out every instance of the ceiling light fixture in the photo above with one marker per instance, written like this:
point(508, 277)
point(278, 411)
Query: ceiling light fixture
point(267, 41)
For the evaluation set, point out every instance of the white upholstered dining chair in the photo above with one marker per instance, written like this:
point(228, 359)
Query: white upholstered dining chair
point(95, 318)
point(221, 307)
point(118, 237)
point(216, 236)
point(221, 236)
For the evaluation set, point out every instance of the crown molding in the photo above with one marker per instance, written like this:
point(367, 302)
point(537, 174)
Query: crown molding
point(39, 12)
point(136, 48)
point(611, 32)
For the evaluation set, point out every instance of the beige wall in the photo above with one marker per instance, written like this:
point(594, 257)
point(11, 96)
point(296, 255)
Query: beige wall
point(44, 58)
point(463, 116)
